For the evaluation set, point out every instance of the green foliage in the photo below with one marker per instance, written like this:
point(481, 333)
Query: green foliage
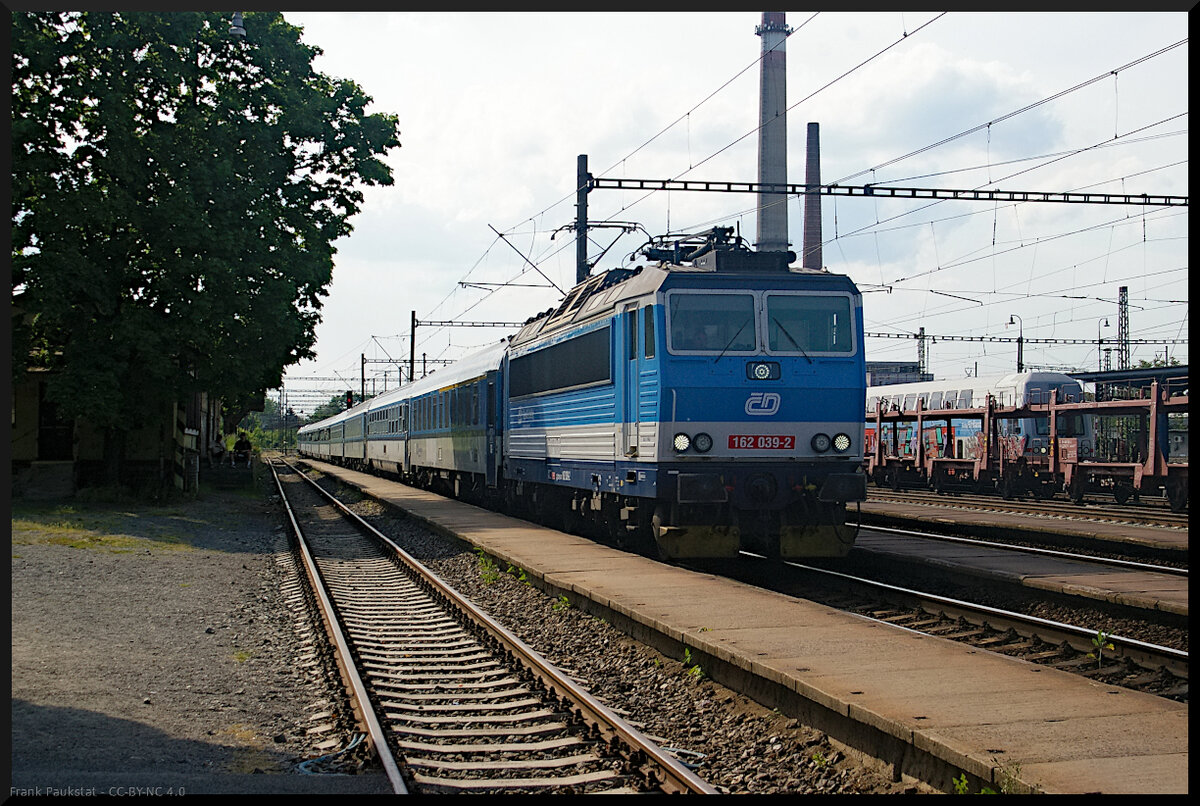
point(175, 198)
point(692, 668)
point(1101, 643)
point(489, 572)
point(335, 405)
point(1157, 362)
point(270, 429)
point(1010, 780)
point(562, 603)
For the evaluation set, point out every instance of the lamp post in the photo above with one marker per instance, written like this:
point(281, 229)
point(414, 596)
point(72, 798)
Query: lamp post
point(1103, 322)
point(1020, 340)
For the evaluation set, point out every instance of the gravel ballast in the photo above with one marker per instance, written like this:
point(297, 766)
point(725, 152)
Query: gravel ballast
point(734, 743)
point(157, 649)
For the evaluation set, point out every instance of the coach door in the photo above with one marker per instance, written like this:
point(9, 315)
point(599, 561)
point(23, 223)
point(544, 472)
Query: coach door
point(490, 409)
point(629, 429)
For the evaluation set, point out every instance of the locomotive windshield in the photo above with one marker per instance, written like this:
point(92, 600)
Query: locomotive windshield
point(798, 323)
point(784, 323)
point(1069, 425)
point(712, 323)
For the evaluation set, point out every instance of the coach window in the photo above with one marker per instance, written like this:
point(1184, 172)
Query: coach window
point(711, 323)
point(648, 331)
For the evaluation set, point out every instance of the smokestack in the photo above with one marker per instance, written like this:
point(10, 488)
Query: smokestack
point(772, 132)
point(812, 200)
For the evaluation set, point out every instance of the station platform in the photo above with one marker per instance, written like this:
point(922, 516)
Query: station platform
point(933, 708)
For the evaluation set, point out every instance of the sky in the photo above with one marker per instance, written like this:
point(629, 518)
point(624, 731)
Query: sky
point(495, 108)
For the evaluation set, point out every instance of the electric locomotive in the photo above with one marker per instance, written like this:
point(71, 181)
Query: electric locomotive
point(705, 403)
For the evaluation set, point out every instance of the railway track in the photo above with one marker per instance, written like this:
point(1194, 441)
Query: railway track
point(1128, 662)
point(1021, 545)
point(1141, 513)
point(452, 701)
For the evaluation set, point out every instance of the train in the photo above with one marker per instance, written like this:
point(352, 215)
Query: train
point(699, 405)
point(952, 450)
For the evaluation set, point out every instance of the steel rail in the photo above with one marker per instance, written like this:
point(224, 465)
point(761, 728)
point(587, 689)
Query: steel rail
point(679, 779)
point(1143, 513)
point(1066, 555)
point(350, 674)
point(1079, 637)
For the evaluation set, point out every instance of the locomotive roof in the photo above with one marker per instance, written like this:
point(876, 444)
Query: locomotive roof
point(599, 295)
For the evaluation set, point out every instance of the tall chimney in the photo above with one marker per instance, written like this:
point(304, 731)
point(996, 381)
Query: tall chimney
point(772, 133)
point(812, 200)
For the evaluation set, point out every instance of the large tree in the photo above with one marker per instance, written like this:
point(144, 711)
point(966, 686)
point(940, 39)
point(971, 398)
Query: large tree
point(176, 191)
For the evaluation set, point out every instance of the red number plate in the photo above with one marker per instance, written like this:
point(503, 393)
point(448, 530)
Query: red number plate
point(762, 442)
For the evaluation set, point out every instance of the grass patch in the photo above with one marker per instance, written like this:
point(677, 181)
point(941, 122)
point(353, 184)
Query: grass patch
point(100, 529)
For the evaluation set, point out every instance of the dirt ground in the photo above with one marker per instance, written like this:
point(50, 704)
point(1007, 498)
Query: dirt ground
point(148, 656)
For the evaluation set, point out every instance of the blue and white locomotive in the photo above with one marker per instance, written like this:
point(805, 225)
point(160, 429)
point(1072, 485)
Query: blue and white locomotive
point(701, 405)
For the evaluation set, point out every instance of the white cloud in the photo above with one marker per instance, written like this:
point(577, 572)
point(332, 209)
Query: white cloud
point(494, 109)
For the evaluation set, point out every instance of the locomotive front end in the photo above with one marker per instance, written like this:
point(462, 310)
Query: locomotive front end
point(761, 442)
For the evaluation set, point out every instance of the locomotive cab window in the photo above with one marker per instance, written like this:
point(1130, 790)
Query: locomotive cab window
point(809, 323)
point(648, 332)
point(712, 323)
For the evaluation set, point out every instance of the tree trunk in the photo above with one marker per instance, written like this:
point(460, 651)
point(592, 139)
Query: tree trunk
point(114, 456)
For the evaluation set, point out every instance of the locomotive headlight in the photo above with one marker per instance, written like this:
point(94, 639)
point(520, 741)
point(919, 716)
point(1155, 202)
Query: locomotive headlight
point(841, 443)
point(820, 443)
point(762, 370)
point(704, 443)
point(681, 442)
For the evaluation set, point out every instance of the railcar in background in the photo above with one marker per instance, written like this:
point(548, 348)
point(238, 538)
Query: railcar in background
point(951, 449)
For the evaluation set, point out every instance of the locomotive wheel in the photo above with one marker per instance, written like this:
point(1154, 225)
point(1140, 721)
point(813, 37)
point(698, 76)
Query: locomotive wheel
point(1007, 487)
point(1122, 492)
